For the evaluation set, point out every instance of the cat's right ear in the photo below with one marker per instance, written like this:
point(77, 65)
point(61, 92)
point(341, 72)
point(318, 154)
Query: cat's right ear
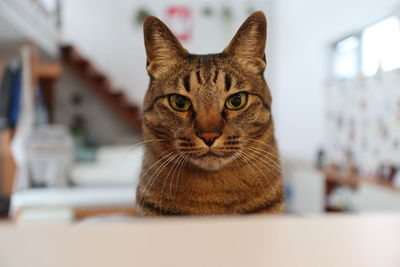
point(162, 48)
point(248, 45)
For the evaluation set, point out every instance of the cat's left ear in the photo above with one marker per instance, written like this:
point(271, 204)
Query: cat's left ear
point(248, 45)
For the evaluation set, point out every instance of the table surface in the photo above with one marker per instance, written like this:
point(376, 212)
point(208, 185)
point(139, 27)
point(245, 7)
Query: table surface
point(335, 240)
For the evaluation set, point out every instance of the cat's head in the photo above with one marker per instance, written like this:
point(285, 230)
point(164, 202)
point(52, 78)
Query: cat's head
point(208, 107)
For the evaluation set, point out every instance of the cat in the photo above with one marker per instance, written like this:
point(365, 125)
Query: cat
point(209, 137)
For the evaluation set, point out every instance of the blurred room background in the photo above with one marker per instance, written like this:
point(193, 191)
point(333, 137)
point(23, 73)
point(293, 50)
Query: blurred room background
point(73, 78)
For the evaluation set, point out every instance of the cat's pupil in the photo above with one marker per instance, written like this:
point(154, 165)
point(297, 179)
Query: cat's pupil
point(236, 100)
point(180, 102)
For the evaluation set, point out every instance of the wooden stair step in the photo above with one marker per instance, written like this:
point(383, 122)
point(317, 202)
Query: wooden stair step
point(98, 77)
point(125, 102)
point(104, 84)
point(73, 56)
point(117, 95)
point(93, 72)
point(66, 51)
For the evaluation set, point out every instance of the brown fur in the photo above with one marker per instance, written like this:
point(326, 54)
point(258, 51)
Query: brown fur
point(243, 176)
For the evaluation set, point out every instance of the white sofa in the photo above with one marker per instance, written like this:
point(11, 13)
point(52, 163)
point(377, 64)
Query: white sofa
point(107, 184)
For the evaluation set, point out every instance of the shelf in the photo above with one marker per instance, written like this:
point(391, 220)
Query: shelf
point(376, 181)
point(348, 179)
point(48, 70)
point(354, 181)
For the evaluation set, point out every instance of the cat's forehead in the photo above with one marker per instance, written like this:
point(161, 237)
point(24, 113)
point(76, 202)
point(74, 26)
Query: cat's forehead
point(209, 63)
point(210, 71)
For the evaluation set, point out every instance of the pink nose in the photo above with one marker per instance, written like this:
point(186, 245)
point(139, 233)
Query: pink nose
point(208, 137)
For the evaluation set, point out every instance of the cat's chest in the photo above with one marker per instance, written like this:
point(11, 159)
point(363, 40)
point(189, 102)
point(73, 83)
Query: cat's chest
point(221, 186)
point(231, 190)
point(211, 198)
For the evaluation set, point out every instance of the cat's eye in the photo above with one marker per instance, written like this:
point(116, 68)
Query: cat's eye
point(236, 101)
point(179, 102)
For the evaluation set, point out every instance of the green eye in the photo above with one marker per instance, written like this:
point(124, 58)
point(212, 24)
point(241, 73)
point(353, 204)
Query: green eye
point(179, 102)
point(236, 101)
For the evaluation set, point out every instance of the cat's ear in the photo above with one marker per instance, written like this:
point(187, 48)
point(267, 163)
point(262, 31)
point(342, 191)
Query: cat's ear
point(248, 44)
point(162, 47)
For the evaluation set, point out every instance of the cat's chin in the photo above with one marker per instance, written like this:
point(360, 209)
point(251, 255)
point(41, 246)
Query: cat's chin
point(211, 163)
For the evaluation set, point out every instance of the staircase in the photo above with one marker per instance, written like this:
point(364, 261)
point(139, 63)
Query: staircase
point(101, 85)
point(22, 20)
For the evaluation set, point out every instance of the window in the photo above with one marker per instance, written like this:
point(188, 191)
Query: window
point(381, 46)
point(378, 46)
point(346, 58)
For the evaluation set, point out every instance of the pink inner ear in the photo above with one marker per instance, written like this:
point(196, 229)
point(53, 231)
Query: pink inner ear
point(252, 64)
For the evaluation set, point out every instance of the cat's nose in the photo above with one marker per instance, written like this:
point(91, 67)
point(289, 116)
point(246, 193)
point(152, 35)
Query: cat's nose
point(208, 136)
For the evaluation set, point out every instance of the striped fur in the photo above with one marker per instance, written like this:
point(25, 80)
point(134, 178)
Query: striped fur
point(240, 172)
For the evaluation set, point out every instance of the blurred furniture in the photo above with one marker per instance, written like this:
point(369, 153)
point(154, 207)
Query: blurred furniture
point(104, 187)
point(304, 186)
point(67, 204)
point(32, 22)
point(7, 172)
point(46, 71)
point(36, 23)
point(335, 180)
point(27, 22)
point(114, 165)
point(7, 164)
point(49, 154)
point(370, 193)
point(279, 241)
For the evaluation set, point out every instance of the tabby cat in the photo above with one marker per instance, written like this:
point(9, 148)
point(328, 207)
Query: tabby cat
point(209, 136)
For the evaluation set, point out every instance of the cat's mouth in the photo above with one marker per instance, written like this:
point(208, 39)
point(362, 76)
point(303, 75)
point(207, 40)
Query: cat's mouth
point(212, 161)
point(209, 154)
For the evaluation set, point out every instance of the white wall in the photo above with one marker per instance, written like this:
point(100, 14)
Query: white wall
point(302, 33)
point(299, 35)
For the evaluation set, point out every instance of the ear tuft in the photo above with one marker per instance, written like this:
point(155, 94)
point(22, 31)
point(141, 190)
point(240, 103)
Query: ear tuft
point(162, 48)
point(248, 44)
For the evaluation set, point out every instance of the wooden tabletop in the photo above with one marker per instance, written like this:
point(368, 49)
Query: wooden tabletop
point(345, 240)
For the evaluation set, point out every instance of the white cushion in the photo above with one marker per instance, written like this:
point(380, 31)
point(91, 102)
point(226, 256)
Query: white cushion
point(114, 166)
point(74, 197)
